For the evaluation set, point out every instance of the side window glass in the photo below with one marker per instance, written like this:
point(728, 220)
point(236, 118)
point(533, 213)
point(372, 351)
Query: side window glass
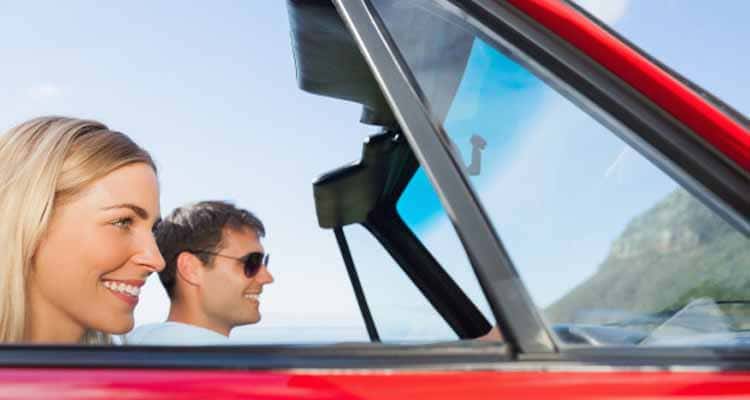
point(612, 250)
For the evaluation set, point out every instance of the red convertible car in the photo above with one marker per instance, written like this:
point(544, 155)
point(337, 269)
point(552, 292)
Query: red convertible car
point(500, 118)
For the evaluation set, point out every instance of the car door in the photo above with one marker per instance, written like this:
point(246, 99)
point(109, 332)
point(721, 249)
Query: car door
point(538, 357)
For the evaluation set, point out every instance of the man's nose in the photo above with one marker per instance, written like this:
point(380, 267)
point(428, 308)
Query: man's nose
point(264, 276)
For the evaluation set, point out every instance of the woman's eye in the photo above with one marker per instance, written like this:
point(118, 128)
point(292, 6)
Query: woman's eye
point(123, 223)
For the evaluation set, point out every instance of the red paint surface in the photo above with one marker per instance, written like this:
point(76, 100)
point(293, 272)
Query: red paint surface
point(173, 384)
point(718, 129)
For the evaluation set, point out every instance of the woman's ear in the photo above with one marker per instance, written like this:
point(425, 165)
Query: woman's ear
point(189, 269)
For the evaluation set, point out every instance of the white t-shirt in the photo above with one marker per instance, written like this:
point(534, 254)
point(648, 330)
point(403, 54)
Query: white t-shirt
point(174, 334)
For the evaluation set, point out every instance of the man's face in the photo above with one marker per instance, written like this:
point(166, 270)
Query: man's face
point(229, 298)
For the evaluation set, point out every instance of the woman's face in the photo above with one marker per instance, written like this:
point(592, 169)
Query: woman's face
point(96, 254)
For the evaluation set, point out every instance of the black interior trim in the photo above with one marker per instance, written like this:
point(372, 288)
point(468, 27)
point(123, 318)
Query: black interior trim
point(426, 273)
point(359, 293)
point(366, 193)
point(348, 194)
point(321, 44)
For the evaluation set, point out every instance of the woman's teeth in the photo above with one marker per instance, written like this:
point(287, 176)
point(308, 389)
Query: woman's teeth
point(122, 288)
point(252, 296)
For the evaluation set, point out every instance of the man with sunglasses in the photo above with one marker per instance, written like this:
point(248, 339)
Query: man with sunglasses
point(215, 273)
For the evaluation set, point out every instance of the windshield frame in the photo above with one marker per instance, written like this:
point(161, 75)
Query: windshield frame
point(511, 304)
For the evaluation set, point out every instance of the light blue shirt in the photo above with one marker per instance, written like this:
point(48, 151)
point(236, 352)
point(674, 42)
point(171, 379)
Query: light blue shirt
point(174, 334)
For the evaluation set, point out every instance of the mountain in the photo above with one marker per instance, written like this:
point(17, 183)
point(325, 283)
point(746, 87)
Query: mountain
point(677, 251)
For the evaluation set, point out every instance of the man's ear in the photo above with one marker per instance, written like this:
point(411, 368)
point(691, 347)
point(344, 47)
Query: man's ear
point(190, 268)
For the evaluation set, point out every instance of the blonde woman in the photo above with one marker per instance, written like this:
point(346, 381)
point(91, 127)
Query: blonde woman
point(77, 206)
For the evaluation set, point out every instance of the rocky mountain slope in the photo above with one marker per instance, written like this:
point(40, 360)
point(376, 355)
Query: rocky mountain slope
point(676, 251)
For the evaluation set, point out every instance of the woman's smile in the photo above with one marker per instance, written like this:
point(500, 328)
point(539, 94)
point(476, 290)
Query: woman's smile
point(125, 290)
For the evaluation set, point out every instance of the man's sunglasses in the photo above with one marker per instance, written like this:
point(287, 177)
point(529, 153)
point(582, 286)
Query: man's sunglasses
point(252, 262)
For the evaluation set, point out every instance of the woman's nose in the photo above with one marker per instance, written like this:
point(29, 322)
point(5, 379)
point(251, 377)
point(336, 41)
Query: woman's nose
point(149, 255)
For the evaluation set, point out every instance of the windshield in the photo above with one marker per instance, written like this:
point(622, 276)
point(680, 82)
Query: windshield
point(609, 246)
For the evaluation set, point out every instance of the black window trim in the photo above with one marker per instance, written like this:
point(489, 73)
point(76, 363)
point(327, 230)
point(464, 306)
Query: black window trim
point(463, 356)
point(366, 193)
point(349, 356)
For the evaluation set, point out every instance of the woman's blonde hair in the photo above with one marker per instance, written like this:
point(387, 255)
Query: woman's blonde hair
point(46, 162)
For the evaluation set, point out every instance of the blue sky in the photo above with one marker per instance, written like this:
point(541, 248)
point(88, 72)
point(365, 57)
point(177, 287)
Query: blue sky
point(701, 40)
point(210, 90)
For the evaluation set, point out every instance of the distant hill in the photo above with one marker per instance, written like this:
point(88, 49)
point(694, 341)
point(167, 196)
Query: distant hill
point(676, 251)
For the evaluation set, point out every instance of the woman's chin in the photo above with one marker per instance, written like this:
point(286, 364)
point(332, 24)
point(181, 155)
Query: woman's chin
point(117, 327)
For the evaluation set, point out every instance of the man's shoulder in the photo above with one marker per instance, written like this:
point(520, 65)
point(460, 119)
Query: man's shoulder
point(173, 333)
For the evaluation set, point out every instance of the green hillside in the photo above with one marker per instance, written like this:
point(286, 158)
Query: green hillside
point(674, 252)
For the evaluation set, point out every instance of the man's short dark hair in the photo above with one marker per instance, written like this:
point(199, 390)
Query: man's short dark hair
point(196, 227)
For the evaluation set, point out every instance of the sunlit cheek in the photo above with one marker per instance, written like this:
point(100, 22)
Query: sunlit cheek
point(60, 273)
point(109, 253)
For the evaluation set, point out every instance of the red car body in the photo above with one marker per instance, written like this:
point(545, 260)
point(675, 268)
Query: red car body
point(512, 379)
point(364, 385)
point(726, 134)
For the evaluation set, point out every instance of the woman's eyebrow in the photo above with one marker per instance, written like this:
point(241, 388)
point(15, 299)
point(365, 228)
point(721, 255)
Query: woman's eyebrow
point(139, 211)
